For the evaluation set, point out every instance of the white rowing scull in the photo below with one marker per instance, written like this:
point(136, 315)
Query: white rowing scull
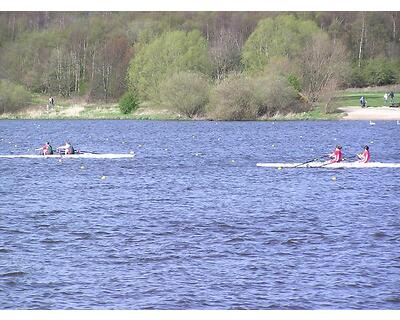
point(72, 156)
point(336, 165)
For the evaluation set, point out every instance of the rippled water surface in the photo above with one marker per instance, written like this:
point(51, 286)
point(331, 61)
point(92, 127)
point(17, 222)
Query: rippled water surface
point(192, 223)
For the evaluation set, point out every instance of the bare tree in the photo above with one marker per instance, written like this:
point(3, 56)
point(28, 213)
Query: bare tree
point(323, 65)
point(224, 53)
point(362, 40)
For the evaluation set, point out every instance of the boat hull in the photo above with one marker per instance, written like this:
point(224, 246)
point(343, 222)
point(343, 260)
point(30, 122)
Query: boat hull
point(72, 156)
point(339, 165)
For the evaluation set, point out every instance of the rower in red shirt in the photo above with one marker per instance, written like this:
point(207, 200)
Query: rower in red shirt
point(336, 155)
point(365, 156)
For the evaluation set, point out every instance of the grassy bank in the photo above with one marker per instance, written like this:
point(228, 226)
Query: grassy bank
point(79, 109)
point(374, 99)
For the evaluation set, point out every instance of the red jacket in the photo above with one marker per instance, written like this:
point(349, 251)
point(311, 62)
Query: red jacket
point(337, 156)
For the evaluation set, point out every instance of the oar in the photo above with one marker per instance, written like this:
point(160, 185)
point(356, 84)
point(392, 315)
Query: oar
point(344, 159)
point(315, 159)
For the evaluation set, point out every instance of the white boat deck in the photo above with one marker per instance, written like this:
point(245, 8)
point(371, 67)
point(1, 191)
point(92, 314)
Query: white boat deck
point(72, 156)
point(330, 165)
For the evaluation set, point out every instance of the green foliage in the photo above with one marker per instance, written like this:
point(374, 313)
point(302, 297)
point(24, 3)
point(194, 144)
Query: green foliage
point(128, 102)
point(90, 54)
point(168, 54)
point(186, 93)
point(234, 99)
point(356, 77)
point(276, 95)
point(294, 81)
point(375, 72)
point(380, 72)
point(284, 35)
point(13, 97)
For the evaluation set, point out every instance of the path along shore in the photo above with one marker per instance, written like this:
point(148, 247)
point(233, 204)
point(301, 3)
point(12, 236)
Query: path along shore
point(372, 113)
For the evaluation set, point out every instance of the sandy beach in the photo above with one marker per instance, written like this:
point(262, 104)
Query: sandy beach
point(373, 113)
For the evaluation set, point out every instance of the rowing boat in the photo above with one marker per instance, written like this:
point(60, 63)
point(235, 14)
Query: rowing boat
point(337, 165)
point(72, 156)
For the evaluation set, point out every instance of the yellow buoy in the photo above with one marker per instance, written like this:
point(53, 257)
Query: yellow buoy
point(279, 168)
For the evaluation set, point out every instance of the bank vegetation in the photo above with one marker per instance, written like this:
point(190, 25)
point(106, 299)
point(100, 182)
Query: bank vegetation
point(208, 65)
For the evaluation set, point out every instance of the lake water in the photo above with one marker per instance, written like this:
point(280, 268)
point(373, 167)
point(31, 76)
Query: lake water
point(192, 223)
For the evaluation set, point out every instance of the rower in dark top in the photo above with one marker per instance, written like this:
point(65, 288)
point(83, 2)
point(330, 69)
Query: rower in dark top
point(46, 149)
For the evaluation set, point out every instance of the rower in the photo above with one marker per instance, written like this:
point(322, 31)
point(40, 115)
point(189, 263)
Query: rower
point(67, 148)
point(336, 155)
point(46, 149)
point(364, 156)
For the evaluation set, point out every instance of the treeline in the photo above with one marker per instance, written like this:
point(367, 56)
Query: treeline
point(231, 65)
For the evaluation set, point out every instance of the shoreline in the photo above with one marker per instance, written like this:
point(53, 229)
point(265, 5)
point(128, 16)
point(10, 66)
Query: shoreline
point(371, 113)
point(111, 112)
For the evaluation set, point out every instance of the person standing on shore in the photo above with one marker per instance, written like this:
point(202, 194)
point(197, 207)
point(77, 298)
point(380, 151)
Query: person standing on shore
point(363, 102)
point(391, 96)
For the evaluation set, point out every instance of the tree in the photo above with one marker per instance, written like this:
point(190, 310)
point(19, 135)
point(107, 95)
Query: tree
point(284, 35)
point(225, 54)
point(167, 54)
point(322, 64)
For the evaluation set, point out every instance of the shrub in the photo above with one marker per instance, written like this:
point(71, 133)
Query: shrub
point(294, 81)
point(380, 72)
point(13, 97)
point(274, 94)
point(242, 98)
point(186, 93)
point(234, 99)
point(374, 72)
point(128, 102)
point(356, 77)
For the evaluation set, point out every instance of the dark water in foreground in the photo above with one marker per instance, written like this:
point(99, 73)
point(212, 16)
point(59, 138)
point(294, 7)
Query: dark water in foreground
point(192, 223)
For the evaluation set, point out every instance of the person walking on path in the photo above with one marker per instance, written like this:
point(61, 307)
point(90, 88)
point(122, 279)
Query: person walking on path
point(363, 102)
point(385, 98)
